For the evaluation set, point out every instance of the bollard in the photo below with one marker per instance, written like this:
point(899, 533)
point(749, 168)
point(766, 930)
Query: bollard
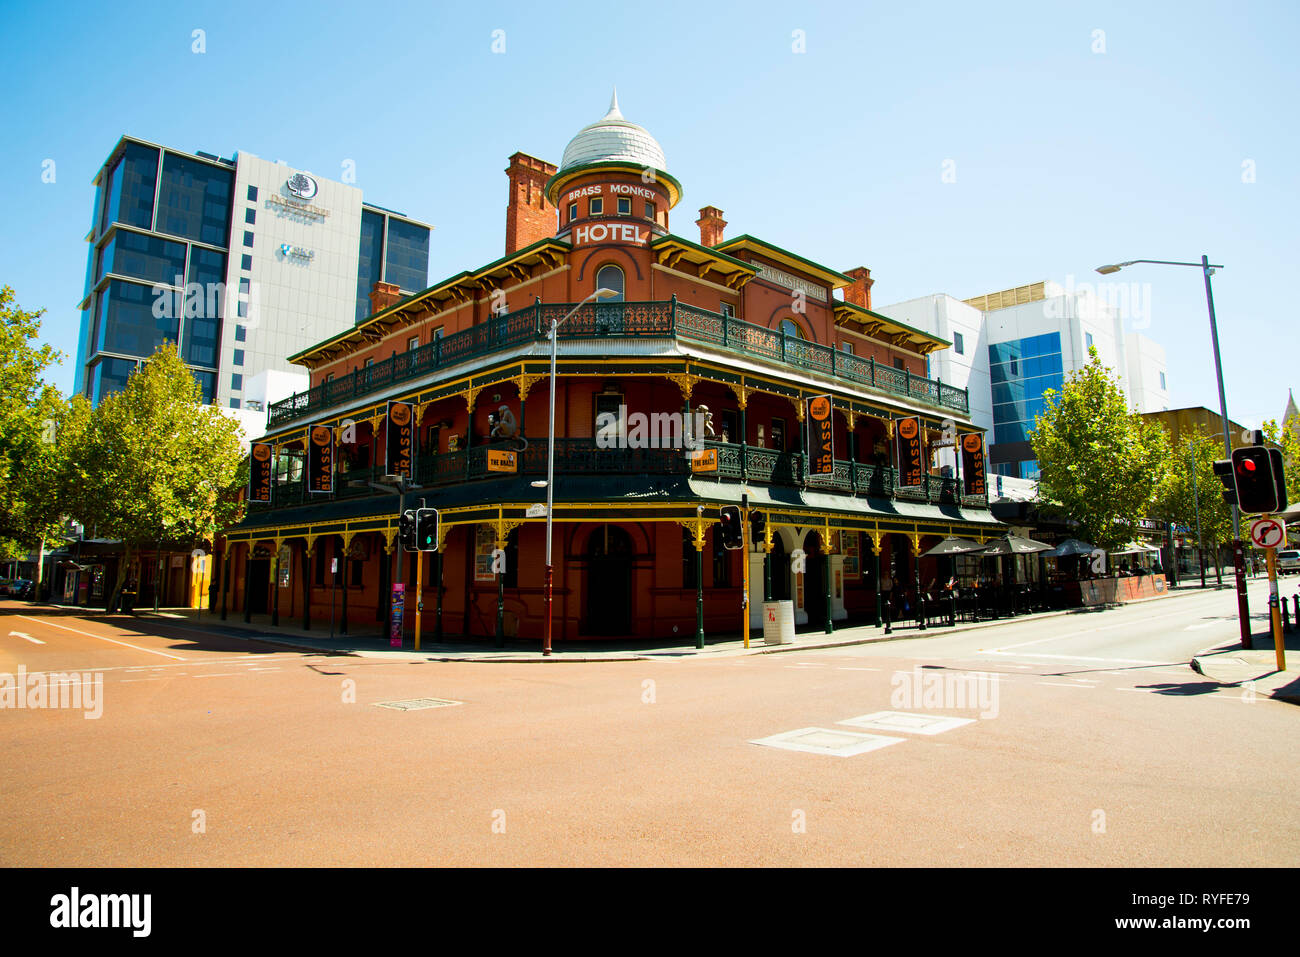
point(1296, 616)
point(1286, 619)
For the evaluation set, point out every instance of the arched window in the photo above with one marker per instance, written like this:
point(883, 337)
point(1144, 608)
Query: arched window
point(610, 277)
point(791, 328)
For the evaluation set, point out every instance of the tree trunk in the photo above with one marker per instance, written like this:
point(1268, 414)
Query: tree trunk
point(123, 567)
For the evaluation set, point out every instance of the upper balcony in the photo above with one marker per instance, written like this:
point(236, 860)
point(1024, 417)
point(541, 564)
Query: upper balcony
point(668, 319)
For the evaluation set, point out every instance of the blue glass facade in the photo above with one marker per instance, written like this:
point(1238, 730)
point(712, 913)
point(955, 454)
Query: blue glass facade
point(201, 336)
point(1020, 372)
point(126, 322)
point(194, 200)
point(370, 258)
point(149, 258)
point(127, 191)
point(406, 259)
point(109, 376)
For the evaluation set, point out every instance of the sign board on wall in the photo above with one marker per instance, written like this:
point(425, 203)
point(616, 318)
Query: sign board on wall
point(972, 464)
point(397, 447)
point(485, 542)
point(910, 470)
point(821, 437)
point(320, 459)
point(259, 472)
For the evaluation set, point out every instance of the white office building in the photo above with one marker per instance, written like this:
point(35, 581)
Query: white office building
point(1010, 347)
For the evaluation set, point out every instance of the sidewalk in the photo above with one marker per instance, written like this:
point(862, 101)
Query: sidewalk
point(1230, 664)
point(372, 644)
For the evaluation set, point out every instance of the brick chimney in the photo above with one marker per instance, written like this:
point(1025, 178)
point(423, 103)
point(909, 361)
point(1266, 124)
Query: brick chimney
point(711, 226)
point(382, 295)
point(529, 217)
point(859, 291)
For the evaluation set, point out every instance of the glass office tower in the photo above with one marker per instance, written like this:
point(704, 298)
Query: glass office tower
point(240, 262)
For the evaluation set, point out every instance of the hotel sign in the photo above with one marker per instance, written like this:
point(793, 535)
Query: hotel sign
point(627, 233)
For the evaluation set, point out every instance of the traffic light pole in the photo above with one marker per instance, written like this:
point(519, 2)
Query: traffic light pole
point(744, 565)
point(1274, 609)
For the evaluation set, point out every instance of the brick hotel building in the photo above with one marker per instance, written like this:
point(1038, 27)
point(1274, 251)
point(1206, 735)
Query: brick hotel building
point(739, 325)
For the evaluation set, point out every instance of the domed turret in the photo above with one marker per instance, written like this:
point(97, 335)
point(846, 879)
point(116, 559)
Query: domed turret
point(613, 138)
point(611, 143)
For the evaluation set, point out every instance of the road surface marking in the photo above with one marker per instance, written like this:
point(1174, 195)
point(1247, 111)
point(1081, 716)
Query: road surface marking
point(224, 674)
point(1088, 631)
point(1116, 661)
point(102, 638)
point(1208, 624)
point(1062, 684)
point(847, 668)
point(22, 634)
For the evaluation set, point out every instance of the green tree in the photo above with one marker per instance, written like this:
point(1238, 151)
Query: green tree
point(153, 464)
point(1099, 461)
point(1287, 437)
point(32, 443)
point(1189, 494)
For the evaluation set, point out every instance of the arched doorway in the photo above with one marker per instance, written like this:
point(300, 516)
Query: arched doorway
point(780, 568)
point(814, 582)
point(609, 582)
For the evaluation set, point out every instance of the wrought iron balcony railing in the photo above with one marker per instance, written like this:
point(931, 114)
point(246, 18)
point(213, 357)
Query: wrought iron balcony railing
point(582, 457)
point(668, 319)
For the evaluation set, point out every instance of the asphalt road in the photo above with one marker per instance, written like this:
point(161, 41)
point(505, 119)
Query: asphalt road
point(1087, 741)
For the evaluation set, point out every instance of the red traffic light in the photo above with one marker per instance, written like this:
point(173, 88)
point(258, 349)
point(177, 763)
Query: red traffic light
point(1257, 492)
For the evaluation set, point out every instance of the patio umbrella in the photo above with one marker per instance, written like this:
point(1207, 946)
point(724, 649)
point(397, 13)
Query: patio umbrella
point(1071, 546)
point(1014, 545)
point(953, 545)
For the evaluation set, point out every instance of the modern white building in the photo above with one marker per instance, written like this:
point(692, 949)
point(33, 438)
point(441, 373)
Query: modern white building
point(1010, 347)
point(242, 262)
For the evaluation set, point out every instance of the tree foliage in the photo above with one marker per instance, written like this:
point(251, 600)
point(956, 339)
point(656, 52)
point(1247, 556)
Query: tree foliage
point(152, 464)
point(32, 440)
point(1287, 437)
point(1189, 490)
point(1099, 461)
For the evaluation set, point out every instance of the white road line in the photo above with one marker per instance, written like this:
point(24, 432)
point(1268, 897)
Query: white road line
point(847, 668)
point(190, 662)
point(88, 634)
point(1114, 661)
point(1208, 624)
point(228, 674)
point(1088, 631)
point(1061, 684)
point(23, 634)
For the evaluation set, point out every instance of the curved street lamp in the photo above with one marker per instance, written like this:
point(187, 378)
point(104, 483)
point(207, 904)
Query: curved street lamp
point(1207, 270)
point(601, 293)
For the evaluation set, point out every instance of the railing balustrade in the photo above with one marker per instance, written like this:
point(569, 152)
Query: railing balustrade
point(664, 319)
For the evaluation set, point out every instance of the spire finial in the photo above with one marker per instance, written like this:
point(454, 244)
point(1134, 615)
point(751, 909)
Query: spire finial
point(613, 107)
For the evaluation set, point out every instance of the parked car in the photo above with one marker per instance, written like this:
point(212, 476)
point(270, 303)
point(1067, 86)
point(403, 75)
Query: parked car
point(1288, 560)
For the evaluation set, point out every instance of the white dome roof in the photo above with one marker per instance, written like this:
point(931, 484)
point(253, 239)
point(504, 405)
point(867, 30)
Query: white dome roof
point(613, 139)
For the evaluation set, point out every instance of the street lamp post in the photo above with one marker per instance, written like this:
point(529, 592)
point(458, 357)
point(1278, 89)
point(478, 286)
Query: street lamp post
point(1207, 270)
point(601, 293)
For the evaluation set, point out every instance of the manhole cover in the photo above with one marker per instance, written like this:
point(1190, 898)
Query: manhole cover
point(841, 744)
point(416, 704)
point(905, 721)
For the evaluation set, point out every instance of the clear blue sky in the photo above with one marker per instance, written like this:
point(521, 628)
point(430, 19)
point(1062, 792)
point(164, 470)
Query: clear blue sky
point(1065, 158)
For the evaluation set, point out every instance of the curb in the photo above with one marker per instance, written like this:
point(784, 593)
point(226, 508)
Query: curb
point(682, 654)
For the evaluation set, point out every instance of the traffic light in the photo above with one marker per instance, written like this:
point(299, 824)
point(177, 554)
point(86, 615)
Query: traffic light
point(733, 535)
point(757, 526)
point(406, 529)
point(1223, 469)
point(426, 529)
point(1257, 489)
